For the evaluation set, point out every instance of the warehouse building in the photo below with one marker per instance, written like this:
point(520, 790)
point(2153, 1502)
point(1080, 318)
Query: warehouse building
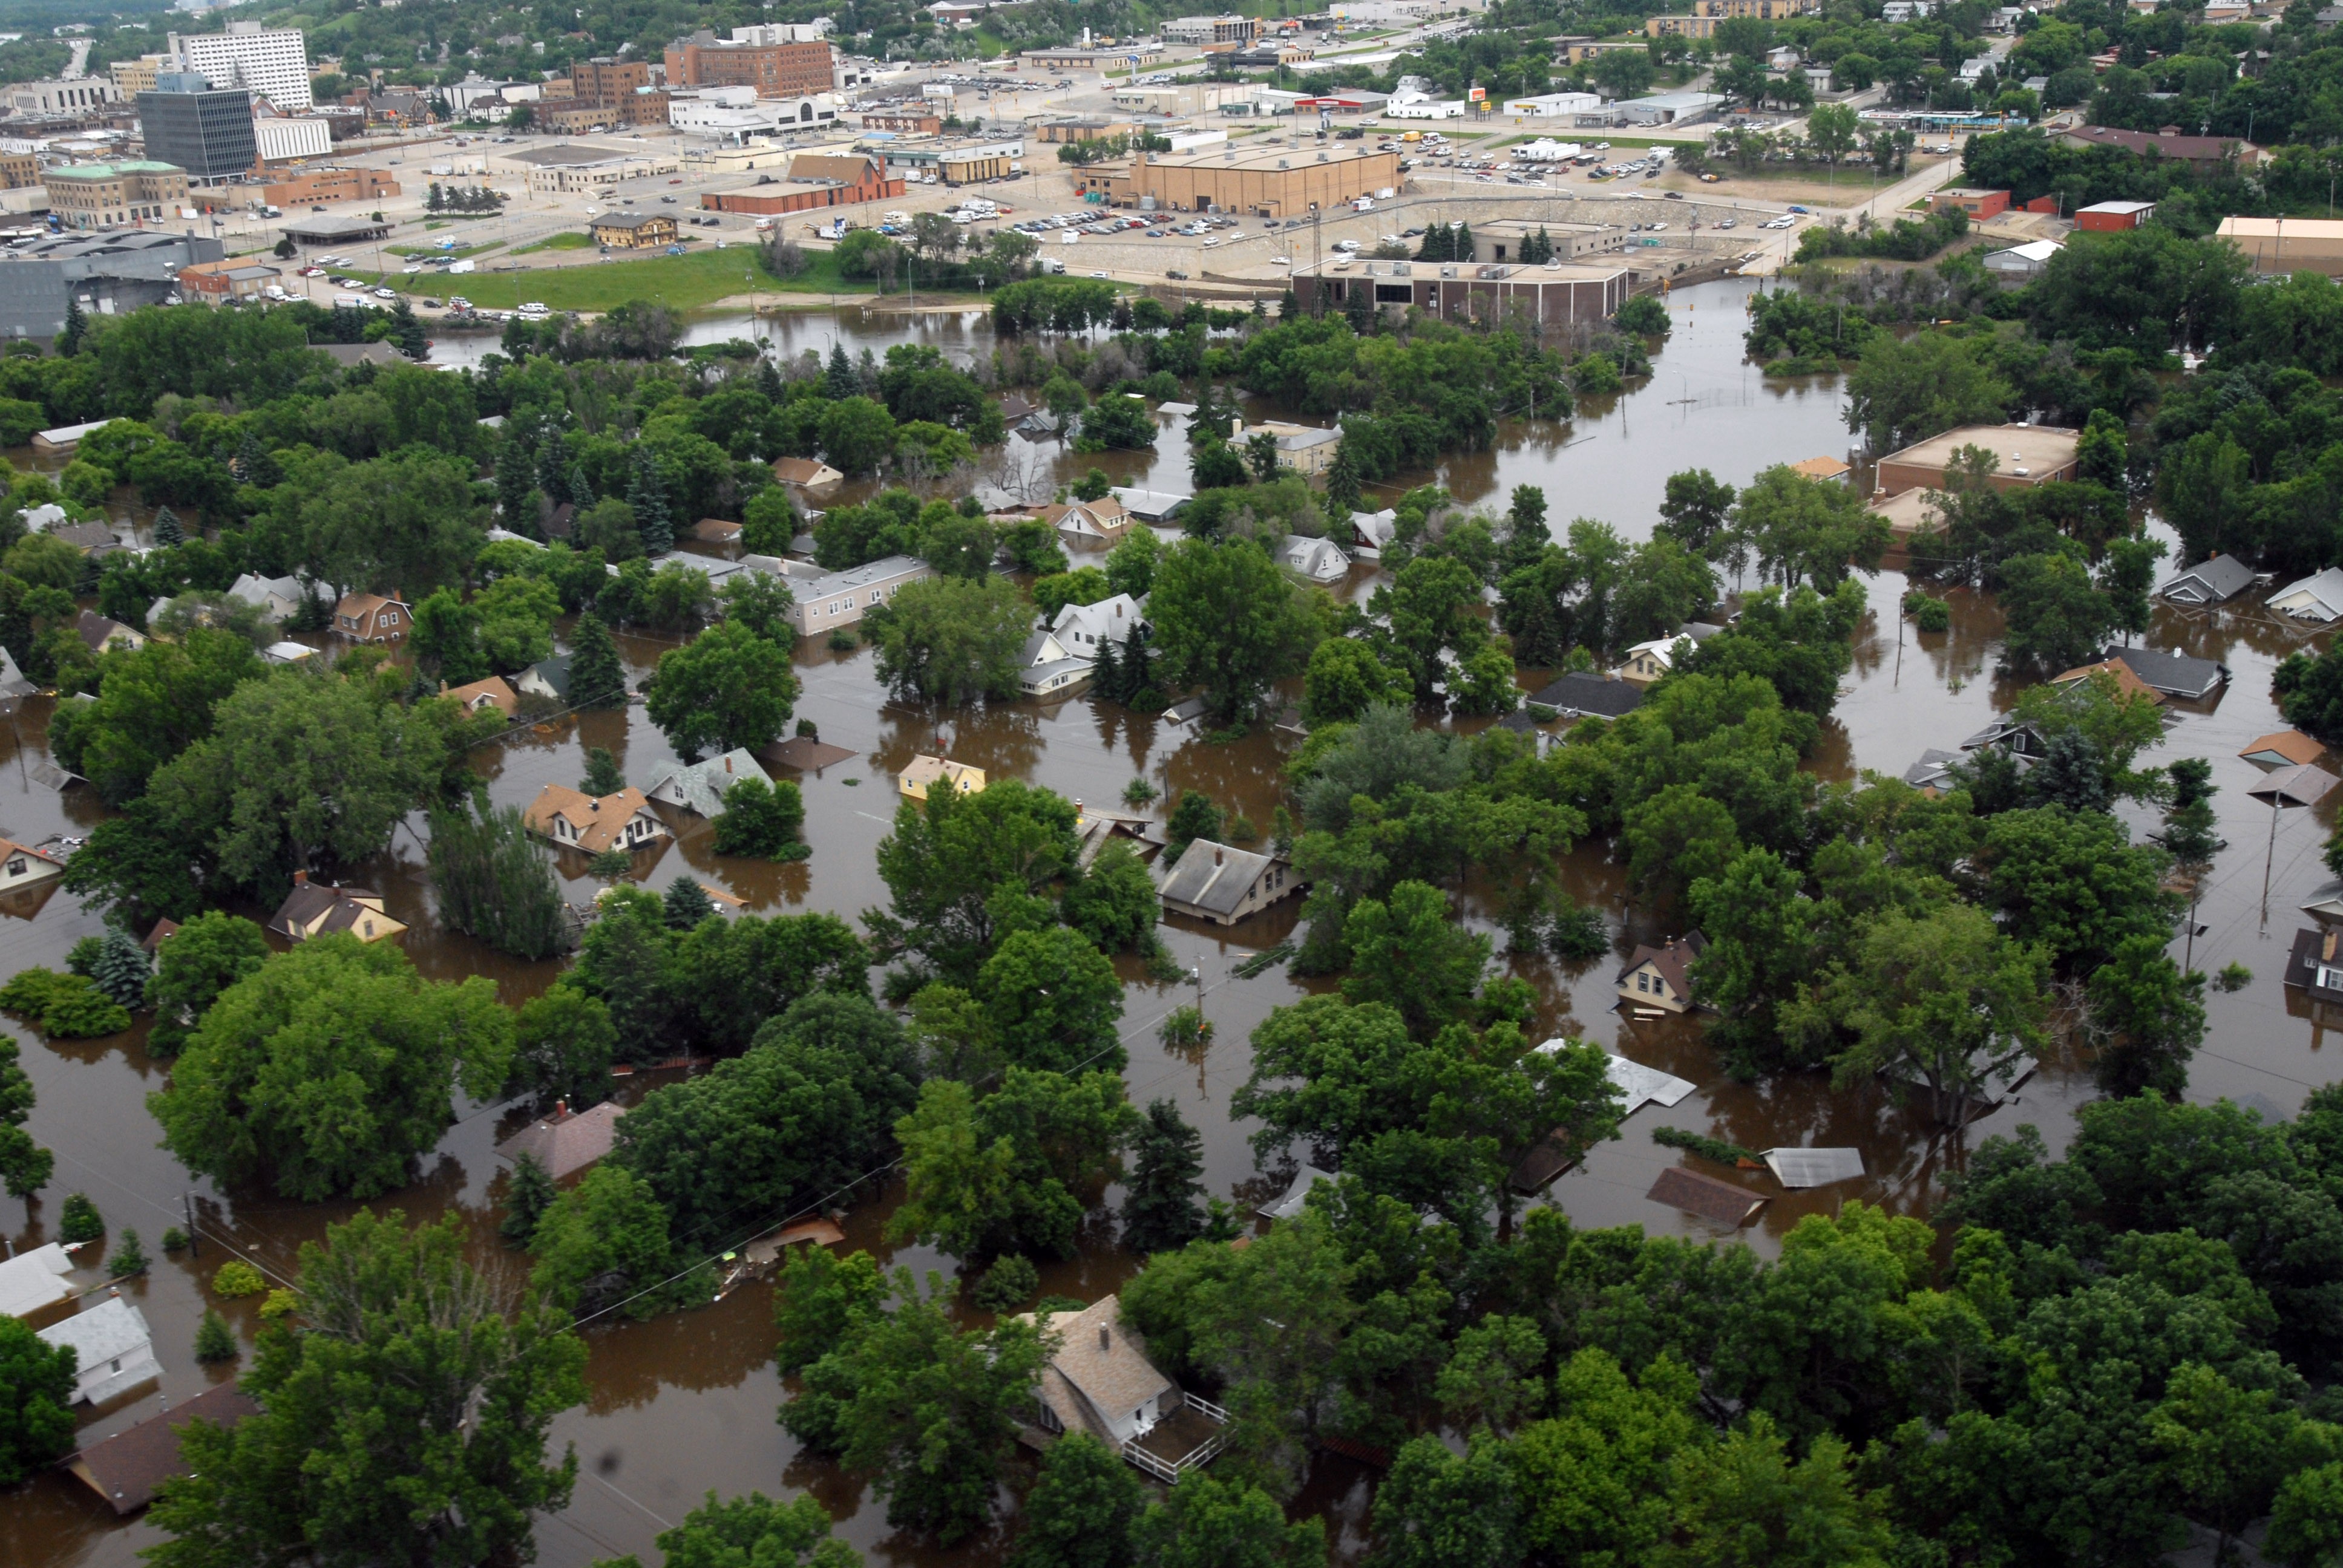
point(2282, 244)
point(1274, 182)
point(111, 274)
point(953, 163)
point(1464, 292)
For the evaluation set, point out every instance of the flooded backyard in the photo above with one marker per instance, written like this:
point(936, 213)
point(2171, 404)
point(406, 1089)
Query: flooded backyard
point(685, 1403)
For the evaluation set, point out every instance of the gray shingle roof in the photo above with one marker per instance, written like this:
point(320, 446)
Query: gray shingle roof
point(699, 786)
point(2210, 581)
point(2171, 671)
point(1214, 877)
point(1580, 692)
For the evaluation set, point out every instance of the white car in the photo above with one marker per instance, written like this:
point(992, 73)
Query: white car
point(1346, 246)
point(386, 293)
point(1211, 243)
point(1096, 273)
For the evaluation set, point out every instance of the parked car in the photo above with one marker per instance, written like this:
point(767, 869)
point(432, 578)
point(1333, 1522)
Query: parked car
point(1175, 272)
point(385, 294)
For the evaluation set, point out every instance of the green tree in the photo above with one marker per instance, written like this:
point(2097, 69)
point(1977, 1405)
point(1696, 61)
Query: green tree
point(328, 1071)
point(1346, 678)
point(1160, 1207)
point(122, 969)
point(563, 1044)
point(1595, 1474)
point(763, 820)
point(215, 1341)
point(1411, 953)
point(2072, 883)
point(1195, 815)
point(1052, 1001)
point(25, 1166)
point(753, 1531)
point(1438, 1510)
point(1745, 1501)
point(1010, 1173)
point(597, 678)
point(1806, 531)
point(152, 704)
point(949, 641)
point(1228, 622)
point(1080, 1511)
point(727, 688)
point(2151, 1017)
point(495, 880)
point(1130, 565)
point(857, 435)
point(603, 1245)
point(1210, 1521)
point(528, 1193)
point(688, 903)
point(36, 1385)
point(432, 1401)
point(647, 496)
point(1907, 390)
point(931, 1411)
point(965, 870)
point(2057, 617)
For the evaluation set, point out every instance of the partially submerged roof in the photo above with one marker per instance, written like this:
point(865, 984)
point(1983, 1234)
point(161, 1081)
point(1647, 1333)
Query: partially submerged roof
point(108, 1330)
point(1297, 1194)
point(2171, 671)
point(1214, 877)
point(700, 785)
point(2283, 749)
point(1582, 692)
point(1638, 1085)
point(2305, 785)
point(1102, 1360)
point(806, 754)
point(568, 1141)
point(1672, 960)
point(35, 1279)
point(2208, 581)
point(1719, 1202)
point(126, 1468)
point(1813, 1167)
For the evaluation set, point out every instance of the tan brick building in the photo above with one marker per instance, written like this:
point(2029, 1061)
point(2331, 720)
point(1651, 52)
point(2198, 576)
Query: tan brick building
point(1275, 182)
point(106, 196)
point(18, 169)
point(775, 70)
point(607, 91)
point(634, 230)
point(328, 186)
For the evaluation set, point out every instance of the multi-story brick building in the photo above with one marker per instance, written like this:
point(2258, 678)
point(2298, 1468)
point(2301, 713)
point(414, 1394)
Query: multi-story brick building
point(327, 186)
point(775, 70)
point(107, 195)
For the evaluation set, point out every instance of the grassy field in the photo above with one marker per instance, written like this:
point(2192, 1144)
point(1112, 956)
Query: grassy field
point(556, 242)
point(688, 282)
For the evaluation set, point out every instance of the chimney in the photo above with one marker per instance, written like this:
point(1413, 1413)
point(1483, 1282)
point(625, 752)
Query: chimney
point(1106, 1337)
point(1216, 854)
point(728, 762)
point(561, 1111)
point(300, 878)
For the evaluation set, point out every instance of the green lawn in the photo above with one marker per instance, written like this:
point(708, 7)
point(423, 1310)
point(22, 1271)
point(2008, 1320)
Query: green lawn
point(556, 242)
point(688, 282)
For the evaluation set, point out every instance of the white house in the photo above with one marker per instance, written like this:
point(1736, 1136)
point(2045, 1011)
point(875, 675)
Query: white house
point(2223, 576)
point(1100, 1381)
point(1647, 661)
point(1080, 629)
point(2314, 598)
point(21, 866)
point(1223, 884)
point(699, 787)
point(35, 1279)
point(113, 1349)
point(1320, 560)
point(2022, 263)
point(842, 598)
point(1050, 669)
point(275, 597)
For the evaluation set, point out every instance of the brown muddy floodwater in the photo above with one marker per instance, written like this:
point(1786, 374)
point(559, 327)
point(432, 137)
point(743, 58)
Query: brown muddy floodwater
point(685, 1404)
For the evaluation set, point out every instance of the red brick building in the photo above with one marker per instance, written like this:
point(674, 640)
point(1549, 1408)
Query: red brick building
point(846, 179)
point(775, 70)
point(1979, 204)
point(2113, 217)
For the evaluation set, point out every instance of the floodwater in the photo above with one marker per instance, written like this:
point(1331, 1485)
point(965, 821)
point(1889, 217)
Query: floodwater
point(685, 1404)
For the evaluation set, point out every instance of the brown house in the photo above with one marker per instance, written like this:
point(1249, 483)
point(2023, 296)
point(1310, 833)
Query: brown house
point(126, 1468)
point(495, 692)
point(577, 820)
point(372, 618)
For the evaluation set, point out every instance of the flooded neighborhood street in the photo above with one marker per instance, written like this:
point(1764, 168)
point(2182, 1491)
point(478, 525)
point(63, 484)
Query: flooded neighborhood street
point(685, 1402)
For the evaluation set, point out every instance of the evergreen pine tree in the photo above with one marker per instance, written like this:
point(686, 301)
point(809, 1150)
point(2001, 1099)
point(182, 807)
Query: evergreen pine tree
point(527, 1196)
point(122, 970)
point(840, 381)
point(79, 1221)
point(1460, 242)
point(687, 904)
point(647, 497)
point(168, 530)
point(1138, 673)
point(552, 471)
point(1207, 423)
point(407, 331)
point(602, 774)
point(1342, 494)
point(215, 1341)
point(582, 489)
point(1106, 674)
point(129, 1256)
point(76, 326)
point(769, 380)
point(597, 678)
point(1161, 1212)
point(514, 484)
point(1359, 311)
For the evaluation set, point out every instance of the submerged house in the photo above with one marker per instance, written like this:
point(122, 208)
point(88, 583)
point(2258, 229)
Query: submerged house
point(1661, 976)
point(2214, 581)
point(699, 787)
point(1223, 884)
point(115, 1350)
point(320, 908)
point(577, 820)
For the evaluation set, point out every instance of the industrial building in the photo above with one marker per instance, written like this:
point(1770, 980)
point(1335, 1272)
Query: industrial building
point(204, 129)
point(775, 70)
point(2281, 245)
point(953, 163)
point(1502, 239)
point(1464, 292)
point(108, 195)
point(313, 187)
point(2028, 455)
point(271, 61)
point(821, 179)
point(110, 274)
point(1273, 182)
point(1210, 30)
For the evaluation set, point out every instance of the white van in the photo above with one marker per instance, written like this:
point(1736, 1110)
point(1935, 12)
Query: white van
point(763, 223)
point(533, 311)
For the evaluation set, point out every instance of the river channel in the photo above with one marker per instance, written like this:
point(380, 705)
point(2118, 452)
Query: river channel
point(685, 1404)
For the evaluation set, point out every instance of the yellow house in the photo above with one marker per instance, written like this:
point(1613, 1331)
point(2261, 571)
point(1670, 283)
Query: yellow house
point(316, 910)
point(926, 772)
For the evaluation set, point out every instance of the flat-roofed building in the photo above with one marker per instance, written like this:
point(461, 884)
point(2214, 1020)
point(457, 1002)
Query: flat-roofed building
point(217, 281)
point(18, 170)
point(954, 163)
point(816, 180)
point(2025, 455)
point(842, 598)
point(1502, 239)
point(634, 230)
point(2281, 245)
point(1210, 30)
point(1464, 292)
point(1273, 182)
point(271, 61)
point(107, 195)
point(204, 128)
point(75, 98)
point(775, 70)
point(282, 138)
point(316, 186)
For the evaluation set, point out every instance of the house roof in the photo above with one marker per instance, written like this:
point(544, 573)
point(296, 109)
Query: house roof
point(2304, 785)
point(1150, 506)
point(1098, 518)
point(1080, 626)
point(1297, 1192)
point(1103, 1359)
point(715, 531)
point(96, 631)
point(365, 606)
point(1822, 468)
point(1212, 876)
point(804, 471)
point(1585, 693)
point(324, 906)
point(35, 1279)
point(2210, 581)
point(2166, 143)
point(553, 673)
point(2115, 670)
point(1933, 769)
point(597, 821)
point(110, 1329)
point(1706, 1196)
point(2171, 671)
point(1638, 1085)
point(164, 929)
point(1316, 558)
point(1813, 1167)
point(126, 1468)
point(568, 1141)
point(2283, 749)
point(495, 689)
point(926, 772)
point(806, 754)
point(700, 785)
point(2314, 946)
point(2325, 588)
point(255, 589)
point(1670, 961)
point(10, 845)
point(87, 536)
